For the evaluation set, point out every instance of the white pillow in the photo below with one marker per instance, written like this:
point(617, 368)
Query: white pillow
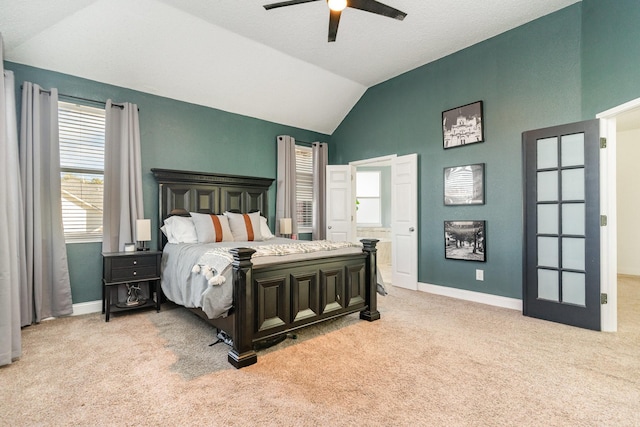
point(265, 230)
point(212, 228)
point(245, 227)
point(179, 229)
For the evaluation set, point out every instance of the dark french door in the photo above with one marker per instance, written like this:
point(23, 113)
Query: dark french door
point(562, 224)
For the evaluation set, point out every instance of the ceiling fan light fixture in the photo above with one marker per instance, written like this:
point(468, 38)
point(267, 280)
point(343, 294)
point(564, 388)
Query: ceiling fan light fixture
point(337, 5)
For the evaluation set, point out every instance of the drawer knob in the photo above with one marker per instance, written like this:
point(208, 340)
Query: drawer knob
point(135, 262)
point(134, 273)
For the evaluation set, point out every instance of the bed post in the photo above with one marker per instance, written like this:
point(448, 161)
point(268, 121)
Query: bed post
point(371, 313)
point(242, 353)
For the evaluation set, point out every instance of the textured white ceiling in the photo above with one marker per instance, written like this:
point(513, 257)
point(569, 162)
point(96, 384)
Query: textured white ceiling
point(235, 56)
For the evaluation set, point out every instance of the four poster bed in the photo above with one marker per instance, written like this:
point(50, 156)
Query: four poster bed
point(257, 287)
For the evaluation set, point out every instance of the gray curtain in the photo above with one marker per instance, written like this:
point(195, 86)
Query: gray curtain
point(286, 183)
point(319, 151)
point(47, 290)
point(123, 202)
point(12, 261)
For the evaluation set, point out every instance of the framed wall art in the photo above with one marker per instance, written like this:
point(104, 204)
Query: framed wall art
point(465, 240)
point(464, 185)
point(463, 125)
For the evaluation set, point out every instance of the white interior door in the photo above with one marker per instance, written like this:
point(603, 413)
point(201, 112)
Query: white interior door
point(341, 206)
point(404, 221)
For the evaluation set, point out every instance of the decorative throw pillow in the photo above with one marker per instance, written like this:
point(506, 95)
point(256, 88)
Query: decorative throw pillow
point(212, 228)
point(245, 227)
point(179, 229)
point(265, 230)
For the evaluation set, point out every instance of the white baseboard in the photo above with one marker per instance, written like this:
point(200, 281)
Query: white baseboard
point(87, 307)
point(495, 300)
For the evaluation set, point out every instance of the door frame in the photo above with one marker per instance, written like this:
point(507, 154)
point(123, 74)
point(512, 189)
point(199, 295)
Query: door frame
point(608, 206)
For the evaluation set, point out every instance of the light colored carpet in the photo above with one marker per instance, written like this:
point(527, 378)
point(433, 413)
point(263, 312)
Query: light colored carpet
point(430, 361)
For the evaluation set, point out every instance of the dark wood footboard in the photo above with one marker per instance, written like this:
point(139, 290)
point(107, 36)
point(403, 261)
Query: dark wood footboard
point(277, 299)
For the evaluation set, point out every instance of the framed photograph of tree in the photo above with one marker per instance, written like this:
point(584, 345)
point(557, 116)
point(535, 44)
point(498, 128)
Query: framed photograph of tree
point(463, 125)
point(465, 240)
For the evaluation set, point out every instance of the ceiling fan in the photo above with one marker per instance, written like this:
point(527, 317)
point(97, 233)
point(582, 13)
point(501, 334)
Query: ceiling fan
point(337, 6)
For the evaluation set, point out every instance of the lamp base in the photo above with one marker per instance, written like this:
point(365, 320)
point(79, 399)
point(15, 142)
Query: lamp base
point(143, 249)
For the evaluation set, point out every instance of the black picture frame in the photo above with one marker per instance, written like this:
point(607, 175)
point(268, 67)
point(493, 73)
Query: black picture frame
point(465, 240)
point(464, 185)
point(463, 125)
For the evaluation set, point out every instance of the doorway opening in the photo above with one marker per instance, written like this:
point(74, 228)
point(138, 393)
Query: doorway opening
point(373, 209)
point(621, 127)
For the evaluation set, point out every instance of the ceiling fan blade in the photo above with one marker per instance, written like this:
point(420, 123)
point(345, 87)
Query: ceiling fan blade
point(376, 7)
point(334, 20)
point(287, 3)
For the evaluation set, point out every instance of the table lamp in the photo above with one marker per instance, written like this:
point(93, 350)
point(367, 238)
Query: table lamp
point(143, 233)
point(285, 226)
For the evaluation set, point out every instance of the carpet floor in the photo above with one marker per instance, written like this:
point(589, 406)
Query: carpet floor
point(429, 361)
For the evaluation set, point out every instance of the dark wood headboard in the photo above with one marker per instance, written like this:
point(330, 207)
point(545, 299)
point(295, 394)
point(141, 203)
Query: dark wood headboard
point(184, 191)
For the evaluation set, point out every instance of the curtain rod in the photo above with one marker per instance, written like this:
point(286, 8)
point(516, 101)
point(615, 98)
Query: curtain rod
point(307, 143)
point(113, 104)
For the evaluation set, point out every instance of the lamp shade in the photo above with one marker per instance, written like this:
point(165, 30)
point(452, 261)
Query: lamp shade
point(143, 230)
point(285, 225)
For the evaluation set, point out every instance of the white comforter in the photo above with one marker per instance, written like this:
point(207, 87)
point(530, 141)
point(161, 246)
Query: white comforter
point(200, 274)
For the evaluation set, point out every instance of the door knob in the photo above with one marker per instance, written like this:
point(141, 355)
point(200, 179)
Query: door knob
point(412, 229)
point(329, 227)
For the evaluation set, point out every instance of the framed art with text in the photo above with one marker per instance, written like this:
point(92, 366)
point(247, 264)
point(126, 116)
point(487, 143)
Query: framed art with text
point(465, 240)
point(463, 125)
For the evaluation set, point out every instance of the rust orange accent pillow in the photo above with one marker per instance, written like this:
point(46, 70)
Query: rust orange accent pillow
point(211, 228)
point(245, 227)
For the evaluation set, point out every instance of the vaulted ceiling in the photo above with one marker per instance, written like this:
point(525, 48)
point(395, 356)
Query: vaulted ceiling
point(236, 56)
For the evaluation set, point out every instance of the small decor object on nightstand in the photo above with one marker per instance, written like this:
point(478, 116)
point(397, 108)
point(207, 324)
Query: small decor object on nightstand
point(129, 247)
point(143, 233)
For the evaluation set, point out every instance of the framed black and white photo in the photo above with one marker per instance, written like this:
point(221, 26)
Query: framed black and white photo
point(465, 240)
point(463, 125)
point(464, 185)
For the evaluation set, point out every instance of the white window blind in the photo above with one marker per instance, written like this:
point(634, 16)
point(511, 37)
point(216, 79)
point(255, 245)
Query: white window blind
point(81, 170)
point(304, 188)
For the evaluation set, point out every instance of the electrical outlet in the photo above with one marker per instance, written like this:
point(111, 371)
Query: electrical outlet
point(479, 274)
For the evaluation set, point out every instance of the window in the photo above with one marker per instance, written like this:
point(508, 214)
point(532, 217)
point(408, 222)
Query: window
point(81, 170)
point(304, 189)
point(368, 198)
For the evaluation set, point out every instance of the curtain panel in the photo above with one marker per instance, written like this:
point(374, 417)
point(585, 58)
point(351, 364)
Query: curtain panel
point(47, 290)
point(286, 183)
point(320, 159)
point(12, 262)
point(123, 202)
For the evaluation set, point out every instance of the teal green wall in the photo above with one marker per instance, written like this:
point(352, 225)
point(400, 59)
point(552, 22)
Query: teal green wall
point(527, 78)
point(563, 67)
point(611, 54)
point(174, 135)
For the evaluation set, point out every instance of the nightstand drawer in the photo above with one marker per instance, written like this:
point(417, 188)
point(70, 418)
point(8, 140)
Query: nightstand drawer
point(133, 261)
point(133, 273)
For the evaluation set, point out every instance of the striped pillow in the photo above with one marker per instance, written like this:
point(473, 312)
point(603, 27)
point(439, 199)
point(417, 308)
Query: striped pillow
point(245, 227)
point(212, 228)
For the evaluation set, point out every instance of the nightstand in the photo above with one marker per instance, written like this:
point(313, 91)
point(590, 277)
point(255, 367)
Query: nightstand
point(130, 269)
